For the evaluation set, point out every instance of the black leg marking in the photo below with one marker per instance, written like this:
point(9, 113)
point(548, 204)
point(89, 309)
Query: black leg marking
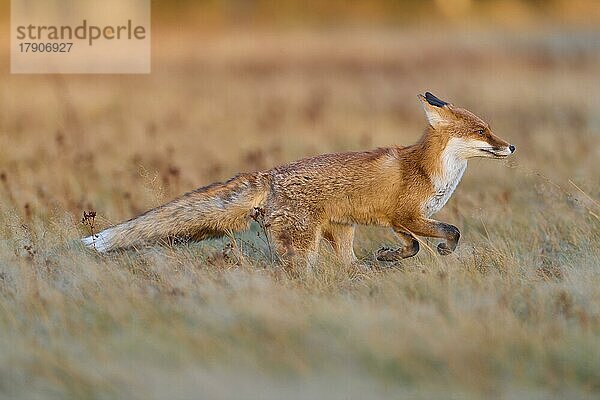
point(452, 236)
point(406, 251)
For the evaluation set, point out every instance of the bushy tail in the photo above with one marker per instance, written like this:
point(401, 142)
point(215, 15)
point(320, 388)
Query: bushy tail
point(210, 211)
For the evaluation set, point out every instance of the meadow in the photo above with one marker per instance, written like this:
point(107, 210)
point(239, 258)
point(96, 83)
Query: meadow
point(514, 313)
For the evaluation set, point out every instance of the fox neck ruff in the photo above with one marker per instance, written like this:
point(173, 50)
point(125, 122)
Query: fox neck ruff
point(445, 179)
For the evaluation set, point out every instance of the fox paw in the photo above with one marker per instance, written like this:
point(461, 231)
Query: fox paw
point(443, 249)
point(387, 254)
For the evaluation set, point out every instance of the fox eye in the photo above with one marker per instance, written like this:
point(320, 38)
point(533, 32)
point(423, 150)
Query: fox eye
point(480, 131)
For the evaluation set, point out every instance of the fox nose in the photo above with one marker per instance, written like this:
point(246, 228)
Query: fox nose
point(512, 148)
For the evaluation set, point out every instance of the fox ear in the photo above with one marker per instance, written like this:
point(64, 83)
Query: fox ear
point(437, 111)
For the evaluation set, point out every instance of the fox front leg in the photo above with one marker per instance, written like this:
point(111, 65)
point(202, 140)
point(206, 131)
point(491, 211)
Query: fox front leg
point(452, 235)
point(409, 248)
point(436, 229)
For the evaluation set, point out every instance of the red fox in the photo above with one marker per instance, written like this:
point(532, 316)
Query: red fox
point(324, 197)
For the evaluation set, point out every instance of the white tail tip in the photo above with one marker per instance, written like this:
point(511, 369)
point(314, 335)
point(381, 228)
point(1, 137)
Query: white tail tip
point(98, 242)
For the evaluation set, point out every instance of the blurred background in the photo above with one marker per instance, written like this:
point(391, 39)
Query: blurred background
point(209, 15)
point(246, 85)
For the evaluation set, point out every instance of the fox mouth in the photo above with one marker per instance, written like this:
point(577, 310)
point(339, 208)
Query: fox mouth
point(496, 153)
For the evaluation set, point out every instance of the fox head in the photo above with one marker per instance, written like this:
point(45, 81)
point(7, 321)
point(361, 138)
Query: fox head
point(468, 134)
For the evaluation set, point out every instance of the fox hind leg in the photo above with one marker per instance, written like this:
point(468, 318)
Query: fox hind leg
point(341, 238)
point(296, 245)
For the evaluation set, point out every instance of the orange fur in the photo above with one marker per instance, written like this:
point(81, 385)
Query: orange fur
point(327, 195)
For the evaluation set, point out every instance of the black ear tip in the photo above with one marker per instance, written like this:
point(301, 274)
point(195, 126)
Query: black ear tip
point(434, 101)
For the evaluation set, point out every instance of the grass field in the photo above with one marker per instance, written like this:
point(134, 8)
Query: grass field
point(514, 313)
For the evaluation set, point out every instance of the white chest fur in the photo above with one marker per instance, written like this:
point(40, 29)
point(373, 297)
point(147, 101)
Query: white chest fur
point(453, 168)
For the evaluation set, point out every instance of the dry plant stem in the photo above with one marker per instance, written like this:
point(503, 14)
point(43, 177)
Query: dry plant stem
point(258, 215)
point(88, 220)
